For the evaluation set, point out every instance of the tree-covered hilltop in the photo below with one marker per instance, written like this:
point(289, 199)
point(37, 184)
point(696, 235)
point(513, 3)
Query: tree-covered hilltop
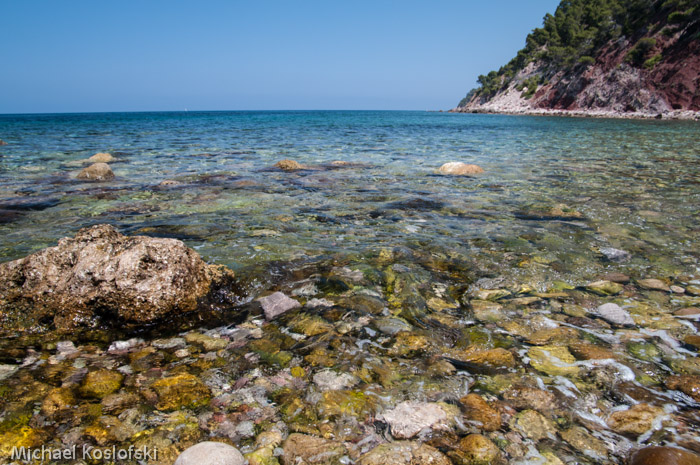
point(579, 29)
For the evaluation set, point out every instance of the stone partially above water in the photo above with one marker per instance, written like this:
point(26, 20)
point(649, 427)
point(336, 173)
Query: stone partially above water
point(101, 157)
point(289, 165)
point(96, 172)
point(211, 453)
point(458, 168)
point(103, 277)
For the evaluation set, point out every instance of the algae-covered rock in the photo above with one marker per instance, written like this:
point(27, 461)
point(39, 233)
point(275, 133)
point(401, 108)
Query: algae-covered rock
point(403, 453)
point(636, 420)
point(553, 360)
point(209, 343)
point(57, 399)
point(687, 384)
point(409, 343)
point(180, 391)
point(310, 325)
point(487, 359)
point(534, 425)
point(585, 351)
point(353, 403)
point(100, 383)
point(289, 165)
point(604, 288)
point(19, 437)
point(584, 442)
point(477, 410)
point(302, 449)
point(476, 449)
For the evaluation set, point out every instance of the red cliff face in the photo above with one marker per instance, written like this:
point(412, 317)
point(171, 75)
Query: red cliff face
point(613, 85)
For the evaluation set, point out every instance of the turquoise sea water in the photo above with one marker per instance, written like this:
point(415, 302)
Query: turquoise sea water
point(636, 184)
point(423, 287)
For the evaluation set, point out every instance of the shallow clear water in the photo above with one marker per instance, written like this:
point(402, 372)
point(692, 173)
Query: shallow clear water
point(424, 287)
point(636, 183)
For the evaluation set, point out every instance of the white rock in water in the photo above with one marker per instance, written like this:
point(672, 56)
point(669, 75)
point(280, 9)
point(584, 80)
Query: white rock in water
point(66, 348)
point(458, 168)
point(329, 380)
point(410, 418)
point(613, 313)
point(211, 453)
point(615, 255)
point(276, 304)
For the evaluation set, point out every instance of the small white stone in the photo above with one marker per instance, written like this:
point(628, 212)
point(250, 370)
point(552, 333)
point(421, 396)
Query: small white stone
point(613, 313)
point(329, 380)
point(211, 453)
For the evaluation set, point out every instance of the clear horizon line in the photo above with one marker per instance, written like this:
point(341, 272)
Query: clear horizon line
point(206, 111)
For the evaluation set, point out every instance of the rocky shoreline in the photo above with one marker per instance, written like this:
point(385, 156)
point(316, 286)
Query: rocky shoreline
point(400, 358)
point(497, 110)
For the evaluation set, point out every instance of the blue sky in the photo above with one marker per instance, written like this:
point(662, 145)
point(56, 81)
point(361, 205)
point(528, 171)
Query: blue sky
point(72, 56)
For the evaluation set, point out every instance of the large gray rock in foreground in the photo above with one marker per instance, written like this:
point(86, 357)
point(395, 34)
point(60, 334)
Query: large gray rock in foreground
point(103, 277)
point(211, 453)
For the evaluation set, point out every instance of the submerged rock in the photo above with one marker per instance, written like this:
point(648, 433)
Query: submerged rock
point(2, 142)
point(458, 168)
point(410, 418)
point(553, 360)
point(476, 449)
point(276, 304)
point(404, 453)
point(101, 383)
point(96, 172)
point(329, 380)
point(183, 390)
point(479, 411)
point(613, 313)
point(654, 284)
point(635, 421)
point(656, 455)
point(302, 449)
point(615, 255)
point(211, 453)
point(604, 288)
point(101, 276)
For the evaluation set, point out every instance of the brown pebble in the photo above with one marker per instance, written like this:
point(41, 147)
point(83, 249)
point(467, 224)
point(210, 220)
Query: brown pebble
point(617, 278)
point(688, 312)
point(689, 385)
point(693, 340)
point(663, 456)
point(478, 410)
